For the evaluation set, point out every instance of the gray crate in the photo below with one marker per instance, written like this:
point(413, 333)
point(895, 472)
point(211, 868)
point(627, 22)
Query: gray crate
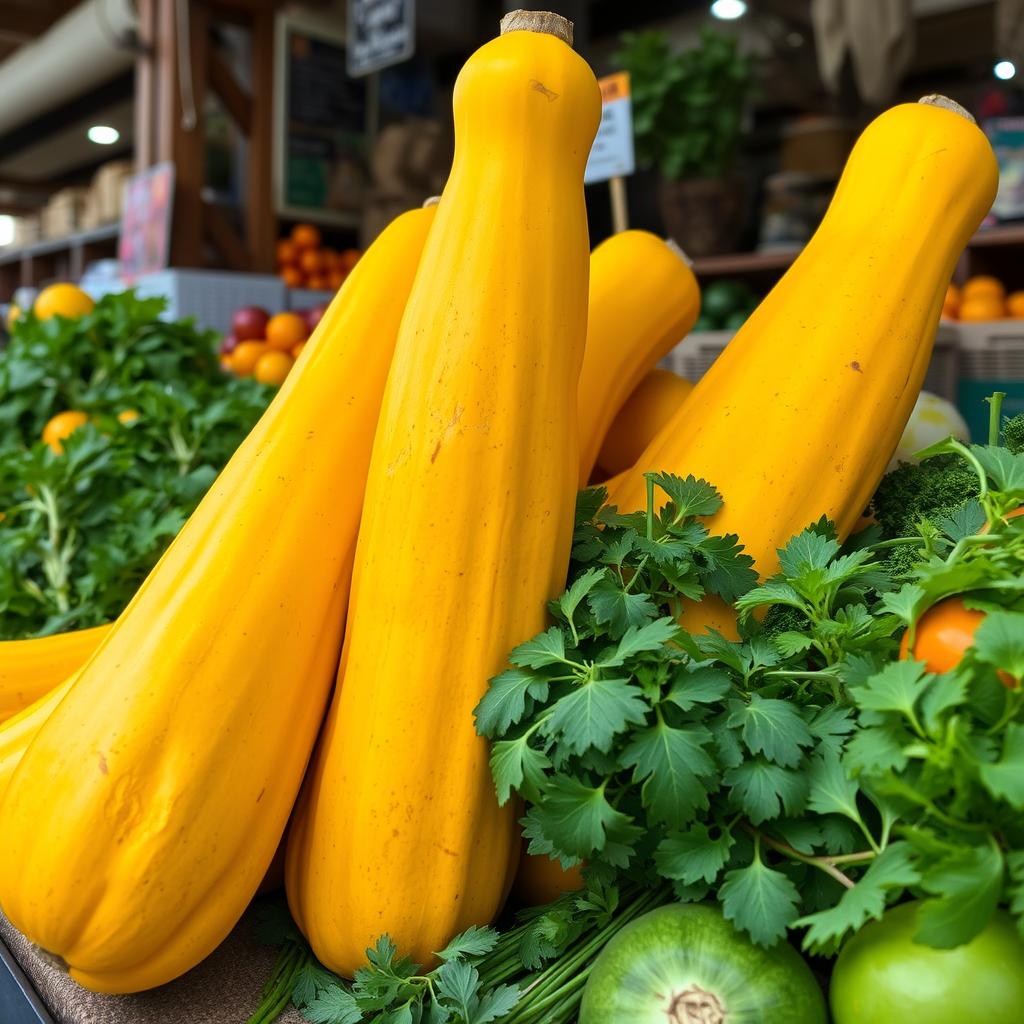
point(693, 356)
point(305, 298)
point(212, 296)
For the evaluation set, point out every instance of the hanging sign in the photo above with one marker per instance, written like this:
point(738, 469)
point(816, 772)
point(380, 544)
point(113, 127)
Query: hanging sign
point(380, 33)
point(612, 152)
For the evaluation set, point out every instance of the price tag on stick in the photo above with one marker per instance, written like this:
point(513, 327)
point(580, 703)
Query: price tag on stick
point(612, 156)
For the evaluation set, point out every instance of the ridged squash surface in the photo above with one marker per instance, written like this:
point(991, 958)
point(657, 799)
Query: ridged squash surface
point(468, 522)
point(145, 812)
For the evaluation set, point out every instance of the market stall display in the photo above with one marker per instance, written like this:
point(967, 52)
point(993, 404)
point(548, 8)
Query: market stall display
point(319, 603)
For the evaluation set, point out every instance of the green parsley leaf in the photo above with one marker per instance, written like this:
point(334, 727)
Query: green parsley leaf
point(547, 648)
point(649, 637)
point(999, 640)
point(508, 698)
point(761, 789)
point(694, 855)
point(671, 763)
point(967, 885)
point(1005, 779)
point(517, 765)
point(689, 496)
point(333, 1006)
point(619, 609)
point(771, 727)
point(474, 941)
point(701, 684)
point(576, 817)
point(896, 687)
point(759, 900)
point(495, 1004)
point(594, 713)
point(832, 790)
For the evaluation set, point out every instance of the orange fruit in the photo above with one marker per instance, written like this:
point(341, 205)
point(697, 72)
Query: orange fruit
point(297, 349)
point(287, 251)
point(335, 279)
point(127, 416)
point(286, 330)
point(312, 261)
point(349, 258)
point(292, 276)
point(245, 356)
point(62, 300)
point(272, 367)
point(63, 425)
point(306, 236)
point(1015, 305)
point(982, 307)
point(981, 286)
point(951, 303)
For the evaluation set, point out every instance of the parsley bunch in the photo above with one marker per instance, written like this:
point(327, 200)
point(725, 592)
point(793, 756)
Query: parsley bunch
point(81, 529)
point(799, 776)
point(531, 973)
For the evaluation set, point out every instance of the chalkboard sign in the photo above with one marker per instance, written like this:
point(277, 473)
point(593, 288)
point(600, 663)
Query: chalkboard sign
point(380, 33)
point(320, 125)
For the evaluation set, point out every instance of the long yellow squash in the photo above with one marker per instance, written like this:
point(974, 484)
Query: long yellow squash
point(802, 411)
point(469, 519)
point(31, 668)
point(651, 404)
point(643, 301)
point(146, 810)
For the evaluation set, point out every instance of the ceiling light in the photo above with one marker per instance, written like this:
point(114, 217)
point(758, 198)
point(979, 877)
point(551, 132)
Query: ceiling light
point(728, 10)
point(6, 229)
point(1004, 69)
point(103, 135)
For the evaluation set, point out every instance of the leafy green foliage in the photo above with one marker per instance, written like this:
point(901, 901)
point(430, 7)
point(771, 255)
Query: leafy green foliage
point(732, 769)
point(687, 107)
point(82, 529)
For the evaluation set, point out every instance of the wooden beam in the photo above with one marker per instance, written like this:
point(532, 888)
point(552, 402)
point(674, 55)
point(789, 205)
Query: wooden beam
point(189, 145)
point(237, 102)
point(145, 110)
point(225, 238)
point(260, 219)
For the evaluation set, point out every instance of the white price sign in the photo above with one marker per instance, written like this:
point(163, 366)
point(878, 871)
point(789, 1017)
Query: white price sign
point(612, 152)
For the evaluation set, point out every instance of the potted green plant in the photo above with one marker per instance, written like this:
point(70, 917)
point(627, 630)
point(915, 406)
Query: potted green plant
point(687, 122)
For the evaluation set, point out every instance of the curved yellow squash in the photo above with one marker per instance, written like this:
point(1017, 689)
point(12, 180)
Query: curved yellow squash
point(31, 668)
point(802, 411)
point(643, 301)
point(19, 730)
point(146, 810)
point(653, 402)
point(468, 524)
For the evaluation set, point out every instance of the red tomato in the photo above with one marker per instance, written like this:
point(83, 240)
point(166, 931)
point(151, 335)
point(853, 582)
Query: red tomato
point(942, 635)
point(249, 323)
point(228, 344)
point(314, 315)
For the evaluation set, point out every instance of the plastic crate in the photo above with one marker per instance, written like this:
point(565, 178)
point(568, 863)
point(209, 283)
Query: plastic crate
point(305, 298)
point(211, 297)
point(693, 356)
point(991, 359)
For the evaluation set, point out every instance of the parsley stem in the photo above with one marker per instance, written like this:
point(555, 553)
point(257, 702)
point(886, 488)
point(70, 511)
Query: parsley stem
point(822, 863)
point(650, 506)
point(995, 407)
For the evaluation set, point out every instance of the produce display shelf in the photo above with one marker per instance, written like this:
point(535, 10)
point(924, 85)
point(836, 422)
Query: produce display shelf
point(108, 232)
point(780, 259)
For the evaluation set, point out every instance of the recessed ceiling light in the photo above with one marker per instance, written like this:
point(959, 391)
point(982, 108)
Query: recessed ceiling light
point(728, 10)
point(1004, 69)
point(103, 135)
